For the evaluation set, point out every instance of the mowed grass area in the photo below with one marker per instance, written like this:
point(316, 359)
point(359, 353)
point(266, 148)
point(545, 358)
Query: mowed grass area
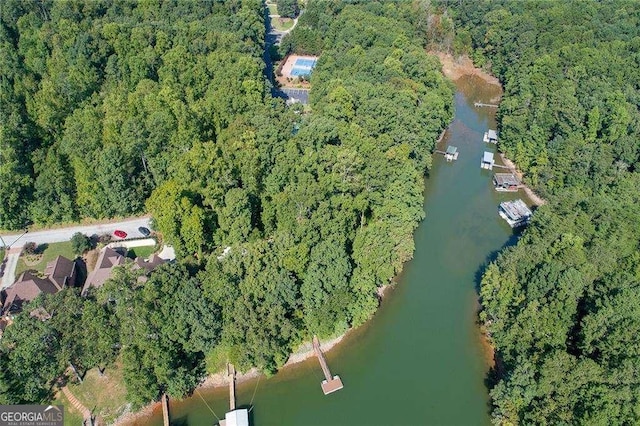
point(273, 9)
point(105, 395)
point(50, 253)
point(143, 252)
point(282, 24)
point(72, 417)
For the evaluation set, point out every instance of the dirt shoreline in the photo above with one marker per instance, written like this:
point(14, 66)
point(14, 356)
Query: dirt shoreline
point(220, 380)
point(456, 68)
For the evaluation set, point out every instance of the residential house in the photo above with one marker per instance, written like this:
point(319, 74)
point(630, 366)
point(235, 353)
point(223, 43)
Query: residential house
point(107, 260)
point(148, 265)
point(62, 272)
point(58, 274)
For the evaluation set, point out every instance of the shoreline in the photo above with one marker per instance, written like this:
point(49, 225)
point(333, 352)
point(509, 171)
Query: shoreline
point(219, 380)
point(533, 197)
point(456, 68)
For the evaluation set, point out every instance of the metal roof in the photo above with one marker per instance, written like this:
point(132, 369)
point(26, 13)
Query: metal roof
point(237, 418)
point(492, 134)
point(487, 157)
point(451, 149)
point(506, 179)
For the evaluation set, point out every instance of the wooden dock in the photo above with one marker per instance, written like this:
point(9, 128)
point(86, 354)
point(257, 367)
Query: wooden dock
point(165, 409)
point(231, 370)
point(480, 105)
point(234, 417)
point(331, 383)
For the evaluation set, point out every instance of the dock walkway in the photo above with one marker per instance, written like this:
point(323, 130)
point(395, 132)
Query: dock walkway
point(480, 104)
point(331, 383)
point(165, 409)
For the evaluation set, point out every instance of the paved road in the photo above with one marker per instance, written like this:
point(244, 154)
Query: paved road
point(16, 241)
point(64, 234)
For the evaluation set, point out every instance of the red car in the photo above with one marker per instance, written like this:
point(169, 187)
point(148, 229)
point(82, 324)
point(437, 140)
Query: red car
point(120, 234)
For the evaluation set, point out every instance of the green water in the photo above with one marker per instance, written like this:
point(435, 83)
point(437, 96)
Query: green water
point(419, 361)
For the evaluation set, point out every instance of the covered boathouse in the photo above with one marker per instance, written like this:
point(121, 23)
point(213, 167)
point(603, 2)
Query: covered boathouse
point(516, 213)
point(506, 182)
point(487, 160)
point(490, 136)
point(451, 154)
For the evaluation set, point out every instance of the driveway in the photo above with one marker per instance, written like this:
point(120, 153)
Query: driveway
point(10, 264)
point(17, 241)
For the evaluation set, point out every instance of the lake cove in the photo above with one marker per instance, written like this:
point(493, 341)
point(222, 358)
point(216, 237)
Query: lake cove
point(421, 359)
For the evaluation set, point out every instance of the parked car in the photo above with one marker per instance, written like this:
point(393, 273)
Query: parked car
point(120, 234)
point(144, 231)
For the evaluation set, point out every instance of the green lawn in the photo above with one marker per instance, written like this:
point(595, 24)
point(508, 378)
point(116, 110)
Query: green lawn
point(273, 9)
point(71, 416)
point(281, 24)
point(143, 252)
point(51, 252)
point(105, 395)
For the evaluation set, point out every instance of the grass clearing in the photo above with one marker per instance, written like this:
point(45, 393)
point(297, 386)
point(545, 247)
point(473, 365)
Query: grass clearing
point(72, 417)
point(143, 252)
point(273, 9)
point(105, 395)
point(51, 251)
point(282, 24)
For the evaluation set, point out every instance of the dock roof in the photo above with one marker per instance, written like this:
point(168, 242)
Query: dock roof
point(487, 157)
point(451, 149)
point(516, 209)
point(237, 418)
point(492, 134)
point(506, 179)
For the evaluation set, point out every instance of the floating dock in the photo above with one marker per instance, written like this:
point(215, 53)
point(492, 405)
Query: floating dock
point(451, 154)
point(490, 136)
point(487, 161)
point(331, 383)
point(516, 213)
point(506, 182)
point(480, 104)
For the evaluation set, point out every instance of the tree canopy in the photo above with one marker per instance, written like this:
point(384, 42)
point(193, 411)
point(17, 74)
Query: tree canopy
point(562, 305)
point(285, 224)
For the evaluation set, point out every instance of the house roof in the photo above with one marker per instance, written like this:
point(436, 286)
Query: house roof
point(26, 288)
point(148, 264)
point(107, 260)
point(60, 271)
point(487, 157)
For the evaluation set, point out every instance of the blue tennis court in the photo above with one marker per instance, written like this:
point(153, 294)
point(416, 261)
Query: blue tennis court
point(297, 71)
point(302, 62)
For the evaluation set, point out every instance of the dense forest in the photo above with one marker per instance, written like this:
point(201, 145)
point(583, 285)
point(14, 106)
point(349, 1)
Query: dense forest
point(114, 108)
point(563, 305)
